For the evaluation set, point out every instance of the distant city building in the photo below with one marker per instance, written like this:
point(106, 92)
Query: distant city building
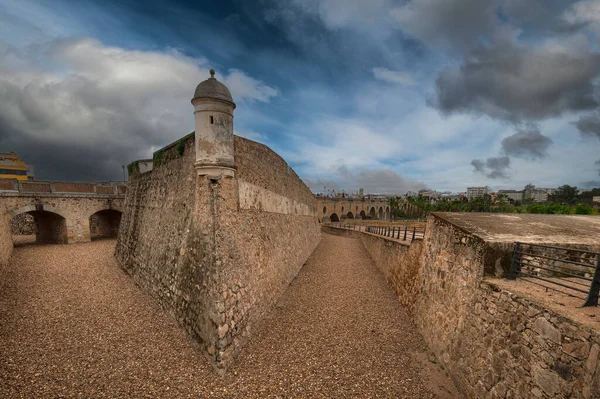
point(535, 194)
point(550, 191)
point(477, 192)
point(11, 167)
point(428, 193)
point(513, 195)
point(30, 172)
point(596, 198)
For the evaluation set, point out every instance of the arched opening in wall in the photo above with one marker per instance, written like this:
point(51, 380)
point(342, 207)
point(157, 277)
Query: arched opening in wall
point(334, 217)
point(387, 213)
point(372, 212)
point(342, 210)
point(105, 224)
point(380, 213)
point(324, 210)
point(350, 215)
point(363, 214)
point(38, 227)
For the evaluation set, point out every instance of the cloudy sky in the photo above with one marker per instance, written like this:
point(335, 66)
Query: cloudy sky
point(381, 94)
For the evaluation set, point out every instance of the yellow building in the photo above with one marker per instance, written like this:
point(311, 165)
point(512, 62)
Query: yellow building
point(11, 167)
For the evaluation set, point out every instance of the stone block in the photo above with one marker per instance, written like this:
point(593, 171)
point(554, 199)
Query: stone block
point(548, 381)
point(592, 359)
point(546, 330)
point(579, 350)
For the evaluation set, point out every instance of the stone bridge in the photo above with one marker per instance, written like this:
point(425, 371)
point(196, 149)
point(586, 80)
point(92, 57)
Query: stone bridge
point(335, 209)
point(63, 212)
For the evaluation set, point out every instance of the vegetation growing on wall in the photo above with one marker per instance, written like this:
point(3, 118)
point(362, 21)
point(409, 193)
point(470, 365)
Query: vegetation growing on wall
point(133, 167)
point(172, 151)
point(181, 147)
point(158, 158)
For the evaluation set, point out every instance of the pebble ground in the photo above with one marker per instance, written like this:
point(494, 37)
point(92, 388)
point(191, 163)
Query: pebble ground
point(73, 325)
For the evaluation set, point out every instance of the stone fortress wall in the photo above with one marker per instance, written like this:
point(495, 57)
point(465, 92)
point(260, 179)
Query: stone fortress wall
point(495, 343)
point(217, 254)
point(216, 229)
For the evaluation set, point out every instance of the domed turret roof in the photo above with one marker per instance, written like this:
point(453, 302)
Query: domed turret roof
point(212, 88)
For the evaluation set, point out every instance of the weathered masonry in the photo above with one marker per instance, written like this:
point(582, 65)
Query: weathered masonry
point(496, 340)
point(62, 212)
point(216, 228)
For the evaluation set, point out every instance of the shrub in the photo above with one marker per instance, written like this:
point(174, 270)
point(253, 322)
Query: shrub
point(583, 209)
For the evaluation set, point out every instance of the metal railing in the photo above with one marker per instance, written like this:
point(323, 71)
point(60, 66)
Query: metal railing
point(571, 271)
point(402, 233)
point(345, 226)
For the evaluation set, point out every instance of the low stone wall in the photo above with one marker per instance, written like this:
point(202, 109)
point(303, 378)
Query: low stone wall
point(494, 344)
point(511, 347)
point(23, 224)
point(217, 253)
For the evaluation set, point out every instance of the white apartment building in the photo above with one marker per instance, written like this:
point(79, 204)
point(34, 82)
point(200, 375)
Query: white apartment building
point(477, 192)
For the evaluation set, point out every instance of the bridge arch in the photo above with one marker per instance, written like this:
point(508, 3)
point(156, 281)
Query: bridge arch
point(41, 207)
point(380, 213)
point(105, 223)
point(363, 214)
point(104, 207)
point(350, 215)
point(372, 212)
point(387, 213)
point(50, 227)
point(334, 217)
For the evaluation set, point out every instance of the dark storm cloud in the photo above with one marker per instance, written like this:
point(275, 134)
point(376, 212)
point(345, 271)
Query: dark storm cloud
point(447, 23)
point(107, 107)
point(539, 15)
point(509, 81)
point(527, 143)
point(589, 125)
point(493, 167)
point(479, 165)
point(589, 184)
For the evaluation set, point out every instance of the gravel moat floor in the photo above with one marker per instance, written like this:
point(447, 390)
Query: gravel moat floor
point(73, 325)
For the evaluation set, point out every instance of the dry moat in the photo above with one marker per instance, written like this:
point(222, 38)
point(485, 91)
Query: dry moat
point(74, 325)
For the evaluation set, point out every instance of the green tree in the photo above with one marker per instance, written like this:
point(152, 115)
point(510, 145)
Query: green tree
point(566, 194)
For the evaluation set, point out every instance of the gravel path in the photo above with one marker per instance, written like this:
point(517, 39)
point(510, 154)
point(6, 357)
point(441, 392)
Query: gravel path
point(73, 325)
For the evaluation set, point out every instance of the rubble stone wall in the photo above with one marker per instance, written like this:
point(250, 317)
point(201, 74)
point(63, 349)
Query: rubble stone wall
point(23, 224)
point(6, 243)
point(164, 248)
point(511, 347)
